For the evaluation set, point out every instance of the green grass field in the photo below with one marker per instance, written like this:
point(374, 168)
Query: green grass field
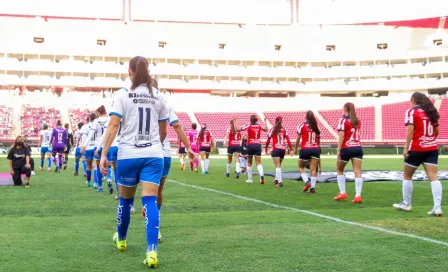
point(61, 225)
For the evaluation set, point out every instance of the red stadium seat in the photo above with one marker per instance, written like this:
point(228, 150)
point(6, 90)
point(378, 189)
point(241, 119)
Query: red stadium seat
point(5, 121)
point(443, 120)
point(184, 120)
point(34, 117)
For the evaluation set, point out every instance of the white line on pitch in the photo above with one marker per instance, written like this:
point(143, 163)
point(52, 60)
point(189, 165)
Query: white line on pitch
point(313, 213)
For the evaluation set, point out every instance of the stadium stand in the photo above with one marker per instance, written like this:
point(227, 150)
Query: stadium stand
point(5, 121)
point(78, 115)
point(393, 121)
point(366, 115)
point(184, 120)
point(34, 117)
point(443, 120)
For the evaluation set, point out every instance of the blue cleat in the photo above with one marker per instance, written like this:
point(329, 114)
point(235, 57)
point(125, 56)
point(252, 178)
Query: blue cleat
point(95, 185)
point(100, 190)
point(88, 184)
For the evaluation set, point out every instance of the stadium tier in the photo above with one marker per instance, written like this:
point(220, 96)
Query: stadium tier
point(78, 115)
point(443, 111)
point(5, 122)
point(393, 121)
point(34, 117)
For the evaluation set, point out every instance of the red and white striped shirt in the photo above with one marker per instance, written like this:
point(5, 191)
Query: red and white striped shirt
point(309, 139)
point(424, 138)
point(351, 136)
point(278, 139)
point(253, 133)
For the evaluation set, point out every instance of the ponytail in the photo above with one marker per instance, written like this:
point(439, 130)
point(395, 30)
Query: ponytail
point(202, 132)
point(427, 106)
point(139, 67)
point(350, 108)
point(232, 127)
point(313, 122)
point(278, 125)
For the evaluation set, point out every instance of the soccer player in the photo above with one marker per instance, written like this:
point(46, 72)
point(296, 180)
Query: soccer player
point(205, 142)
point(87, 149)
point(69, 145)
point(253, 145)
point(193, 136)
point(94, 136)
point(422, 122)
point(143, 115)
point(233, 140)
point(44, 144)
point(308, 137)
point(243, 155)
point(349, 148)
point(84, 131)
point(19, 162)
point(279, 135)
point(181, 152)
point(78, 137)
point(59, 140)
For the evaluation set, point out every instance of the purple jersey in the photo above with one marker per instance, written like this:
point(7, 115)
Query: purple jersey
point(59, 137)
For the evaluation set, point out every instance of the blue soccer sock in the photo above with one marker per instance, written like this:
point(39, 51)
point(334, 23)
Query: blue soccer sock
point(49, 162)
point(89, 175)
point(152, 220)
point(109, 172)
point(159, 207)
point(99, 177)
point(76, 166)
point(124, 217)
point(84, 166)
point(41, 163)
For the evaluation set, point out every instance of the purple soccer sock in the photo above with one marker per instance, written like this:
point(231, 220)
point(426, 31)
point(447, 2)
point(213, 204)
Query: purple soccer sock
point(60, 160)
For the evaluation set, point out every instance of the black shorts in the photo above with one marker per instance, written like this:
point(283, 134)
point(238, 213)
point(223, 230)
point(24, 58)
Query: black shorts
point(307, 154)
point(67, 149)
point(278, 153)
point(254, 150)
point(233, 149)
point(205, 149)
point(182, 150)
point(416, 158)
point(348, 154)
point(17, 178)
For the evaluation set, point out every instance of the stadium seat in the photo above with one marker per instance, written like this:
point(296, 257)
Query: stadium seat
point(34, 117)
point(184, 120)
point(443, 111)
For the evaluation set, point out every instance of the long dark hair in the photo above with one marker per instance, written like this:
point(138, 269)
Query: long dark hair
point(427, 105)
point(194, 126)
point(139, 68)
point(232, 127)
point(253, 119)
point(101, 110)
point(311, 119)
point(92, 117)
point(14, 144)
point(278, 125)
point(350, 108)
point(203, 129)
point(59, 123)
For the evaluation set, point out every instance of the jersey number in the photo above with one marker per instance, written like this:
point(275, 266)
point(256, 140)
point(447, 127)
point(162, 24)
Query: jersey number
point(60, 137)
point(355, 135)
point(312, 137)
point(281, 139)
point(144, 125)
point(428, 128)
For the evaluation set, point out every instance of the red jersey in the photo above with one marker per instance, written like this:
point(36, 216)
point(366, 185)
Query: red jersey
point(253, 133)
point(423, 138)
point(233, 139)
point(206, 140)
point(278, 139)
point(351, 136)
point(180, 144)
point(309, 139)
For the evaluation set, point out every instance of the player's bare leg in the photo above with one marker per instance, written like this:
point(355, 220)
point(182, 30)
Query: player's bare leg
point(356, 163)
point(249, 169)
point(436, 188)
point(229, 164)
point(313, 170)
point(303, 174)
point(278, 172)
point(340, 165)
point(260, 168)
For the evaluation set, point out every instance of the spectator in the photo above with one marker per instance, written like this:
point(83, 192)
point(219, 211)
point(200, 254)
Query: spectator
point(19, 162)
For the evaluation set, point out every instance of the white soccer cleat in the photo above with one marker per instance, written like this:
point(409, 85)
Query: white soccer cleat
point(32, 173)
point(403, 207)
point(436, 212)
point(249, 181)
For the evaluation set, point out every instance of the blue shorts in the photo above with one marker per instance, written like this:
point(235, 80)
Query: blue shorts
point(132, 171)
point(113, 153)
point(89, 154)
point(45, 150)
point(350, 153)
point(166, 166)
point(424, 157)
point(99, 154)
point(307, 154)
point(78, 153)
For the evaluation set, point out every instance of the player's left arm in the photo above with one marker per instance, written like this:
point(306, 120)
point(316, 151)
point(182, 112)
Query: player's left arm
point(268, 141)
point(409, 134)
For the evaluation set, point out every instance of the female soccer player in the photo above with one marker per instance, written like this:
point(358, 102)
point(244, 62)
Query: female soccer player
point(205, 142)
point(309, 133)
point(181, 152)
point(59, 140)
point(422, 122)
point(193, 136)
point(243, 155)
point(349, 148)
point(278, 134)
point(69, 145)
point(78, 136)
point(44, 144)
point(143, 115)
point(87, 149)
point(19, 162)
point(94, 137)
point(233, 140)
point(253, 145)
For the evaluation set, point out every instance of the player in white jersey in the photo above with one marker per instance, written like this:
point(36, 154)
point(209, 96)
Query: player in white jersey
point(92, 140)
point(143, 115)
point(82, 137)
point(87, 149)
point(44, 144)
point(78, 155)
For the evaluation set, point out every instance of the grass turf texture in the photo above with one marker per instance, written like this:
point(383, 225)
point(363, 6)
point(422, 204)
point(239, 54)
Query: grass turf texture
point(61, 225)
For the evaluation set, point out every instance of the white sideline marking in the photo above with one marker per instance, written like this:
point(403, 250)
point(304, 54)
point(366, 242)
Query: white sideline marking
point(313, 213)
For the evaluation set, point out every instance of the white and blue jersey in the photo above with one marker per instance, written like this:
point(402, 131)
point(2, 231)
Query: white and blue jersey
point(140, 153)
point(94, 137)
point(45, 137)
point(166, 144)
point(113, 150)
